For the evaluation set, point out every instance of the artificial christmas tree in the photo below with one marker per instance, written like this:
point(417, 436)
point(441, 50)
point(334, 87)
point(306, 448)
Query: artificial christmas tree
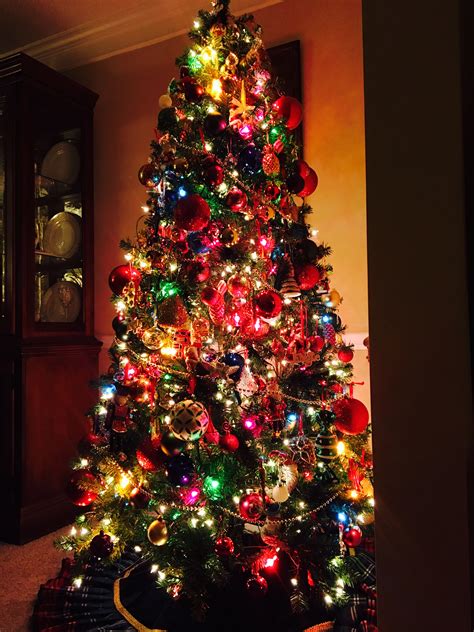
point(227, 448)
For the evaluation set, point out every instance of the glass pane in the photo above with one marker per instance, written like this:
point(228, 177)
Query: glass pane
point(58, 221)
point(3, 253)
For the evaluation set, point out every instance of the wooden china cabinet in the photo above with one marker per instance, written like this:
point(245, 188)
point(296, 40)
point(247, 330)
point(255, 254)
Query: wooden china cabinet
point(48, 353)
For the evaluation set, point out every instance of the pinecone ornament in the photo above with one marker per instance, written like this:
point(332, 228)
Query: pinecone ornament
point(270, 162)
point(329, 334)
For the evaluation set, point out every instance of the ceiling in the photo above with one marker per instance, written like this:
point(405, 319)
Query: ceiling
point(69, 33)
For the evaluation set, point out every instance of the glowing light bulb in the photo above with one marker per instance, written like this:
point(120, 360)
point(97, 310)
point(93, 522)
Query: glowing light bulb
point(341, 448)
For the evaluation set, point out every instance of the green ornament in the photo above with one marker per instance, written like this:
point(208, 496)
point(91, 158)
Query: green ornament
point(212, 488)
point(168, 289)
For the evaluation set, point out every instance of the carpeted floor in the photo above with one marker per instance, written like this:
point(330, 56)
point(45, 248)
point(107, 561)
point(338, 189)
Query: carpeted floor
point(22, 570)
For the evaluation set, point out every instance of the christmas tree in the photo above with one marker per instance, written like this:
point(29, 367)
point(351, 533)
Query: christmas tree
point(227, 441)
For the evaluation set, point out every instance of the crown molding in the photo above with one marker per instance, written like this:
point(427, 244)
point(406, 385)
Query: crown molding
point(147, 23)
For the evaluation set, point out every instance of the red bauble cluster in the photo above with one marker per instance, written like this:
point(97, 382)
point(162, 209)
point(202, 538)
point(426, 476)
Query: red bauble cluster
point(192, 213)
point(352, 417)
point(304, 180)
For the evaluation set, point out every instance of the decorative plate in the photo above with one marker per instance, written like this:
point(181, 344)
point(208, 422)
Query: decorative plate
point(62, 162)
point(61, 303)
point(62, 235)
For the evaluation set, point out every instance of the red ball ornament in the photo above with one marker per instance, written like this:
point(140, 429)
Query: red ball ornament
point(145, 174)
point(224, 546)
point(257, 586)
point(316, 343)
point(352, 536)
point(210, 296)
point(255, 329)
point(345, 354)
point(192, 213)
point(307, 275)
point(229, 442)
point(268, 304)
point(139, 498)
point(196, 271)
point(121, 276)
point(290, 110)
point(310, 184)
point(171, 444)
point(251, 506)
point(271, 191)
point(101, 545)
point(213, 174)
point(193, 92)
point(352, 417)
point(236, 200)
point(77, 488)
point(238, 286)
point(149, 455)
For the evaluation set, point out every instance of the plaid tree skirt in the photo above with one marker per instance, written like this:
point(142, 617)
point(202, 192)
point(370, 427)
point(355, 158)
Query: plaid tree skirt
point(100, 604)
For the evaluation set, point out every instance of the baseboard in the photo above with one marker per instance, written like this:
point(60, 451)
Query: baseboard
point(39, 519)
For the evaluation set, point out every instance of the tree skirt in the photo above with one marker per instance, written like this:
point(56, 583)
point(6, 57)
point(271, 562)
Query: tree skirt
point(124, 596)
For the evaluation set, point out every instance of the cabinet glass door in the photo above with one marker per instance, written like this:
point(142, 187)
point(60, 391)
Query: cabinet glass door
point(58, 270)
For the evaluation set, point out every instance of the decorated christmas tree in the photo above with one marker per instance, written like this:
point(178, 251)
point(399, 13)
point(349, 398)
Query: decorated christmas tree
point(227, 444)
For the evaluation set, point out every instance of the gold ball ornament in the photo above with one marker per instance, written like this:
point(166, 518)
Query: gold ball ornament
point(366, 517)
point(165, 101)
point(152, 339)
point(158, 532)
point(332, 299)
point(189, 420)
point(367, 487)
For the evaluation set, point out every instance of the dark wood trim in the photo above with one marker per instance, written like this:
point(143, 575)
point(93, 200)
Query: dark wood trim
point(19, 66)
point(467, 76)
point(421, 379)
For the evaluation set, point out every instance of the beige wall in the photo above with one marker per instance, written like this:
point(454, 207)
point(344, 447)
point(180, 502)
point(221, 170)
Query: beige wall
point(129, 86)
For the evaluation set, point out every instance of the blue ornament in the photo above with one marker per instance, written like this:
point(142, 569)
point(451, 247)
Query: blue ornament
point(234, 359)
point(250, 160)
point(171, 196)
point(198, 242)
point(298, 231)
point(277, 253)
point(291, 417)
point(273, 509)
point(331, 318)
point(179, 470)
